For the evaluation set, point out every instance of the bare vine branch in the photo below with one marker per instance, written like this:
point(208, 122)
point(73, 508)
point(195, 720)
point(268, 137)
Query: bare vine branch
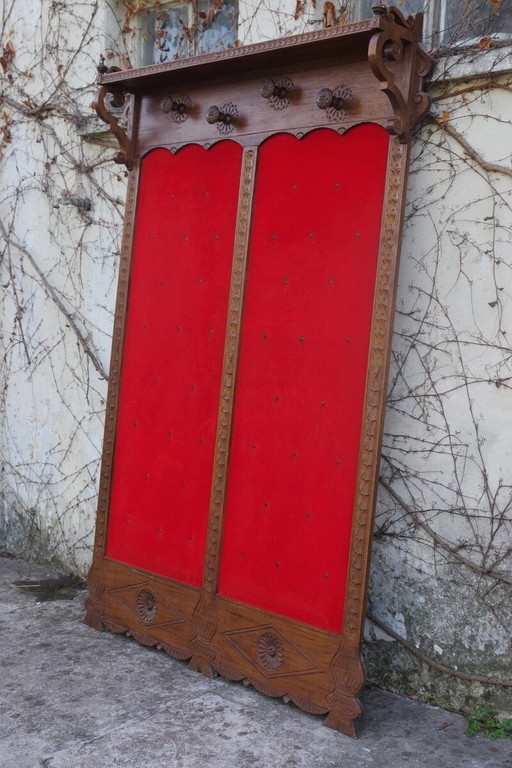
point(498, 681)
point(69, 315)
point(470, 151)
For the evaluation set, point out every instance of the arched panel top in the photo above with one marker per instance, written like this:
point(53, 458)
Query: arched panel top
point(190, 147)
point(262, 139)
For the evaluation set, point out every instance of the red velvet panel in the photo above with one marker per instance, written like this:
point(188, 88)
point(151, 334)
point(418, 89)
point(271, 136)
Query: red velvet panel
point(301, 382)
point(172, 361)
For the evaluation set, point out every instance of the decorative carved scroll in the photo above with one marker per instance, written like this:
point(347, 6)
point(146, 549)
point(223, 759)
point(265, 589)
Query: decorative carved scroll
point(108, 98)
point(398, 42)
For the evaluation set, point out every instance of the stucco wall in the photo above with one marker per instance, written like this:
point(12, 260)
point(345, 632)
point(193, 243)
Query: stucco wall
point(441, 572)
point(441, 561)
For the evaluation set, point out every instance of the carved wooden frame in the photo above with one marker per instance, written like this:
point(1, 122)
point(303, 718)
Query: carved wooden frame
point(383, 56)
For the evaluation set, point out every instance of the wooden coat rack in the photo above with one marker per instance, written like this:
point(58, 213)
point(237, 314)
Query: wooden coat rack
point(250, 352)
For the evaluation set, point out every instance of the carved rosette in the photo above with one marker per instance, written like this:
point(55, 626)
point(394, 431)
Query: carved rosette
point(231, 110)
point(346, 95)
point(278, 101)
point(147, 606)
point(177, 107)
point(270, 651)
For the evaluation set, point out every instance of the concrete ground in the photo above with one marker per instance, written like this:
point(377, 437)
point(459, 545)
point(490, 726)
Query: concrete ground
point(71, 697)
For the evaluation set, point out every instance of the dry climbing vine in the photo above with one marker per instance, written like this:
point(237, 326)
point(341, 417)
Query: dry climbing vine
point(445, 507)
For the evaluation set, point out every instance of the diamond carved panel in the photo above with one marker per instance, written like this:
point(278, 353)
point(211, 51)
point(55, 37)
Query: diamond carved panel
point(271, 652)
point(147, 605)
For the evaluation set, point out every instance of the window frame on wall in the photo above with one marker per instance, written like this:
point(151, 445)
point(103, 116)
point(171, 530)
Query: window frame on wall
point(173, 29)
point(489, 23)
point(440, 28)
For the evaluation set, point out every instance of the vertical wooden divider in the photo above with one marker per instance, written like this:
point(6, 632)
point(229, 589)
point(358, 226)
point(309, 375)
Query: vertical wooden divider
point(204, 615)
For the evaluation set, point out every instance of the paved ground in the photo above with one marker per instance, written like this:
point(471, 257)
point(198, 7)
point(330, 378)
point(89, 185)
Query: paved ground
point(71, 697)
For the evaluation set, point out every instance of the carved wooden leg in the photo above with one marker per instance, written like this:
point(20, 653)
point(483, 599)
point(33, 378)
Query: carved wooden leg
point(93, 603)
point(339, 721)
point(347, 675)
point(197, 664)
point(92, 617)
point(203, 652)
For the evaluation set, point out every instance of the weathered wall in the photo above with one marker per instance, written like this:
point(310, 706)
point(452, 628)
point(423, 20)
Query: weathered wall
point(441, 574)
point(58, 281)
